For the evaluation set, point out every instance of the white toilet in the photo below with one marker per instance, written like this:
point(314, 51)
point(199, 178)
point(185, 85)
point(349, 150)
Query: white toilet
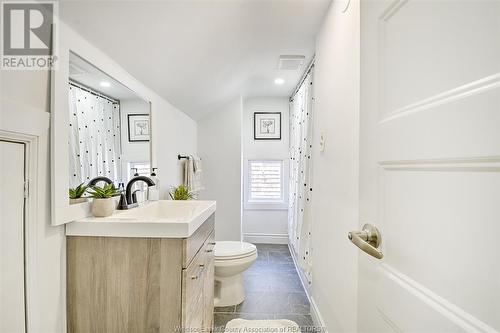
point(231, 260)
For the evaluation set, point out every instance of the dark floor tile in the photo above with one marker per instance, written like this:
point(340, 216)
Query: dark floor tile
point(256, 282)
point(268, 268)
point(262, 256)
point(267, 282)
point(221, 319)
point(225, 309)
point(278, 257)
point(285, 283)
point(273, 247)
point(299, 303)
point(264, 302)
point(275, 303)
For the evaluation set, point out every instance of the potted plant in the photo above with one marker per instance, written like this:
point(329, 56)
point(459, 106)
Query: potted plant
point(76, 194)
point(103, 203)
point(182, 192)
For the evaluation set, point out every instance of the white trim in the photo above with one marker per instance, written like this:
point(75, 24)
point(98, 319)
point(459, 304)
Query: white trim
point(266, 205)
point(29, 136)
point(259, 238)
point(302, 277)
point(474, 88)
point(316, 316)
point(254, 205)
point(70, 41)
point(279, 201)
point(450, 311)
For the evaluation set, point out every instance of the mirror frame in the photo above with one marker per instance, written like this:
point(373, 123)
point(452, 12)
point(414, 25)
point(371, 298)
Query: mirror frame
point(62, 211)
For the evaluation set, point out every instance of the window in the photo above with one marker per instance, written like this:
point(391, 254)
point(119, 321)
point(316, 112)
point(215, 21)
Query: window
point(265, 181)
point(143, 169)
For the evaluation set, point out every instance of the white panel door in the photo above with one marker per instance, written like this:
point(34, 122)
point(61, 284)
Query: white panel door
point(12, 301)
point(430, 165)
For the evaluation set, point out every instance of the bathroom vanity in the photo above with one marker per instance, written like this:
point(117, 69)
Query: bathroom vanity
point(148, 269)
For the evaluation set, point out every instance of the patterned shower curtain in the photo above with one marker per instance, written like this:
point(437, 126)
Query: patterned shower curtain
point(301, 188)
point(94, 137)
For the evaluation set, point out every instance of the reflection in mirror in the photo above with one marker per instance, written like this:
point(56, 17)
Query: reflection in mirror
point(109, 129)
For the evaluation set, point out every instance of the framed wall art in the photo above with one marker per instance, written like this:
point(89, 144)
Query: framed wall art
point(267, 125)
point(138, 127)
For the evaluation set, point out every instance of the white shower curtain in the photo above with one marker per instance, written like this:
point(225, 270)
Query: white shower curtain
point(301, 188)
point(94, 137)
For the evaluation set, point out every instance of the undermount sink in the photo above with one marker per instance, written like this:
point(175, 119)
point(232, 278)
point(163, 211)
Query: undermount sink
point(164, 218)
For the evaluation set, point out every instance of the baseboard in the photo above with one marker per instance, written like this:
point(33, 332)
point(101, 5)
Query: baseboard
point(315, 314)
point(265, 238)
point(302, 277)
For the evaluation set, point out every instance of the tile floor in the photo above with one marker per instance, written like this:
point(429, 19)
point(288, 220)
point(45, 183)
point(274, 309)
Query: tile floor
point(273, 291)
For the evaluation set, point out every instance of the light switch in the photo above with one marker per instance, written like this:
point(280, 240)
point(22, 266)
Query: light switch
point(322, 141)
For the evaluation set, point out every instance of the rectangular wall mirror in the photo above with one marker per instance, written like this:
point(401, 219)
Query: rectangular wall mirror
point(100, 128)
point(109, 128)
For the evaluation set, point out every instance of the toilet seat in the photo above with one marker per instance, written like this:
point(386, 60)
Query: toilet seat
point(230, 250)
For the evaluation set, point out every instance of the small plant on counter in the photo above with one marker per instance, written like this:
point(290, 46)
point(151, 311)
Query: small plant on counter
point(104, 203)
point(182, 192)
point(105, 192)
point(77, 192)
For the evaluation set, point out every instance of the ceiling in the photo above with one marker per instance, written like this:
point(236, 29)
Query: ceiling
point(86, 74)
point(200, 54)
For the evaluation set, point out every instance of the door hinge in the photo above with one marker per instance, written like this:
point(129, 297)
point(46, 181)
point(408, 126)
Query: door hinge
point(26, 189)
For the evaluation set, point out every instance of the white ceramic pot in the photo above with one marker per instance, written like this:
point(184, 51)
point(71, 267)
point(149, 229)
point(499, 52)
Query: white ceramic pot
point(77, 201)
point(103, 207)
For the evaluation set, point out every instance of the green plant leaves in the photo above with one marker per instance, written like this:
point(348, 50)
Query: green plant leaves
point(182, 192)
point(77, 192)
point(107, 191)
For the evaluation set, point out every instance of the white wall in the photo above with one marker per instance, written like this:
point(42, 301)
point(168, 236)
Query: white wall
point(25, 102)
point(269, 225)
point(219, 146)
point(132, 151)
point(174, 132)
point(335, 196)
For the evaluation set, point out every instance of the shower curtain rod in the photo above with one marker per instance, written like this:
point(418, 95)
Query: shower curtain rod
point(93, 92)
point(303, 78)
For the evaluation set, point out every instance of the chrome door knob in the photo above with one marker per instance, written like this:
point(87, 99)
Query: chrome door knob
point(367, 240)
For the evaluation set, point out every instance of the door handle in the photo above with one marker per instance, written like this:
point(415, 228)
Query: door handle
point(197, 276)
point(367, 240)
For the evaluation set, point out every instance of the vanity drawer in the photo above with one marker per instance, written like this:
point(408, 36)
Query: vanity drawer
point(193, 293)
point(194, 243)
point(209, 283)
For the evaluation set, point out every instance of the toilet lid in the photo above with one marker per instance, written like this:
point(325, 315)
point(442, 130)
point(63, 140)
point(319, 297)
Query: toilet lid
point(233, 249)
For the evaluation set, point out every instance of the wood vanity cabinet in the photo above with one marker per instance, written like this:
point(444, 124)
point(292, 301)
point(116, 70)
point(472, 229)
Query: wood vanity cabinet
point(125, 284)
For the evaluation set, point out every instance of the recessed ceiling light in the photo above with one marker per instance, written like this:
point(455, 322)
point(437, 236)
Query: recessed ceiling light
point(105, 84)
point(279, 81)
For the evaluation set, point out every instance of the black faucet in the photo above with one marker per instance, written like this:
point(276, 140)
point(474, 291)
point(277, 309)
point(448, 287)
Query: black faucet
point(129, 200)
point(96, 180)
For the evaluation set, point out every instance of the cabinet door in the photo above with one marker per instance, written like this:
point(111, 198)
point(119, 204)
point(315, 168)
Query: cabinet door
point(209, 283)
point(193, 293)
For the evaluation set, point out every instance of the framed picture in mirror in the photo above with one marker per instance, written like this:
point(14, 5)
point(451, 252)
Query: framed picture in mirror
point(138, 127)
point(267, 126)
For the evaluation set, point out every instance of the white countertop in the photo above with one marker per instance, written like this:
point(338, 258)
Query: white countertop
point(155, 219)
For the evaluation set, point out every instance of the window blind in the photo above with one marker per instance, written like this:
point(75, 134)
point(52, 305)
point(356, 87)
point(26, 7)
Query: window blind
point(265, 181)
